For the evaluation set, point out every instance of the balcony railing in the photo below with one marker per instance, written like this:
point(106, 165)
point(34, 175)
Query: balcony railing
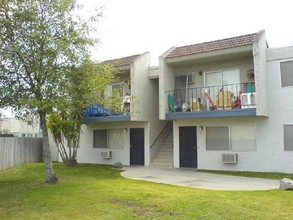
point(98, 110)
point(212, 98)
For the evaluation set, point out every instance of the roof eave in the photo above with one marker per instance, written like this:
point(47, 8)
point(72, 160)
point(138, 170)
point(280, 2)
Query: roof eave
point(209, 54)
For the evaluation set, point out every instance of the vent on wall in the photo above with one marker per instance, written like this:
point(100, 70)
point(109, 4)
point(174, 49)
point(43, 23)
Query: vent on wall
point(229, 158)
point(106, 154)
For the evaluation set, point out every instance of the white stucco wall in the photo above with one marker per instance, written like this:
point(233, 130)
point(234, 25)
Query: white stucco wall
point(166, 83)
point(140, 88)
point(260, 74)
point(146, 97)
point(144, 111)
point(88, 154)
point(269, 155)
point(19, 127)
point(243, 64)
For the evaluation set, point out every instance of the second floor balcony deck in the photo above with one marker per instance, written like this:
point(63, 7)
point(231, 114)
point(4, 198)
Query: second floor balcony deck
point(213, 101)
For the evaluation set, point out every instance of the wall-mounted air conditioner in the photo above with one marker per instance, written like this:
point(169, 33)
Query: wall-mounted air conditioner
point(106, 154)
point(230, 158)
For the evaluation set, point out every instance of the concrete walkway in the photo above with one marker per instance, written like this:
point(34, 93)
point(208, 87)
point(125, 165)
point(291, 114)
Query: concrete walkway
point(191, 178)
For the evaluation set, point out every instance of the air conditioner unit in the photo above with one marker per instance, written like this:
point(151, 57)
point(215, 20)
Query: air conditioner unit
point(229, 158)
point(106, 154)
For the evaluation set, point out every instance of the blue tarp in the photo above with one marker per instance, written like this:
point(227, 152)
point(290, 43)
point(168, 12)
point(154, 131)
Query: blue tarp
point(97, 110)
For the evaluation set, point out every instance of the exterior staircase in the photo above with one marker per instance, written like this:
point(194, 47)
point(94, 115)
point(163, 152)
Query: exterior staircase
point(164, 155)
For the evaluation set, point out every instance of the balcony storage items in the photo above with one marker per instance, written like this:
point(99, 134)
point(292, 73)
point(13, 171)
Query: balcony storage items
point(248, 100)
point(225, 100)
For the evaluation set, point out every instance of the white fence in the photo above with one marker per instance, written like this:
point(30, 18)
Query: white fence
point(15, 151)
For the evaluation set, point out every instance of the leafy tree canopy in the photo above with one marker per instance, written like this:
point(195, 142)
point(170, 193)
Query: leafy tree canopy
point(41, 42)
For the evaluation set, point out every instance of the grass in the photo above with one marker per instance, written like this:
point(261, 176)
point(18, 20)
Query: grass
point(265, 175)
point(99, 192)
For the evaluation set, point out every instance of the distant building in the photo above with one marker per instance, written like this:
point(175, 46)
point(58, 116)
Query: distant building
point(19, 128)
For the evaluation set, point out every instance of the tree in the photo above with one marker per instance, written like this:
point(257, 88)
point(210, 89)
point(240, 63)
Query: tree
point(85, 85)
point(40, 41)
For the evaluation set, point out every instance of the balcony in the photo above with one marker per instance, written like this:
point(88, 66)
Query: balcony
point(97, 113)
point(100, 113)
point(214, 101)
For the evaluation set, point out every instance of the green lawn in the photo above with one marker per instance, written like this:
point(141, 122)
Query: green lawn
point(276, 176)
point(99, 192)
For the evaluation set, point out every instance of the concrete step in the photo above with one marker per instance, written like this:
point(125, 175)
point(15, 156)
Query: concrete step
point(165, 150)
point(168, 147)
point(162, 162)
point(164, 155)
point(162, 165)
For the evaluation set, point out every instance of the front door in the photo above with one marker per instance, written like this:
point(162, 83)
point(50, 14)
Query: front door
point(137, 146)
point(188, 147)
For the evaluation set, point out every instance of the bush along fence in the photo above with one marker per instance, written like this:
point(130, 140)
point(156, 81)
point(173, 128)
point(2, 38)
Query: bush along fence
point(18, 150)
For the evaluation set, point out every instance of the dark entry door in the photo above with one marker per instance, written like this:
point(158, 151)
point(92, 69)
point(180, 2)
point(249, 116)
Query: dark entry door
point(188, 147)
point(137, 146)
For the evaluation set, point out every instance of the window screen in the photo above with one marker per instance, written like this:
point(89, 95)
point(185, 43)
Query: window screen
point(243, 138)
point(100, 139)
point(288, 137)
point(217, 138)
point(287, 73)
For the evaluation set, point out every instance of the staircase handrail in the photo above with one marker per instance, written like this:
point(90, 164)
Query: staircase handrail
point(165, 127)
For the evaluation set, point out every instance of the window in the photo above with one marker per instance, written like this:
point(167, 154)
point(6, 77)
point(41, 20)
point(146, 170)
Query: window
point(115, 139)
point(243, 138)
point(219, 78)
point(288, 137)
point(217, 138)
point(122, 88)
point(231, 138)
point(108, 139)
point(286, 73)
point(100, 139)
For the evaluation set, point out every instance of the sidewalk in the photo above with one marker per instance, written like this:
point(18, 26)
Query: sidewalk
point(192, 178)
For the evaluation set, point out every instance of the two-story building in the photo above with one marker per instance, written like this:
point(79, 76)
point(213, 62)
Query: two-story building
point(127, 136)
point(221, 105)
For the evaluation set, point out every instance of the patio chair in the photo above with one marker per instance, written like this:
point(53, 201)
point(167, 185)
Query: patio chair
point(172, 105)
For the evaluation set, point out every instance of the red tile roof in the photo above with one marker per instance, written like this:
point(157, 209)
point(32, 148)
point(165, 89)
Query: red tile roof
point(243, 40)
point(124, 61)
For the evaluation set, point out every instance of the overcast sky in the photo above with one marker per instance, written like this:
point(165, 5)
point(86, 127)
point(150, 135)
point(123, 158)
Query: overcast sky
point(130, 27)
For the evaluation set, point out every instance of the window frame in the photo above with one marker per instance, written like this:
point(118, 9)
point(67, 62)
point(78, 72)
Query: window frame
point(107, 138)
point(255, 134)
point(222, 72)
point(281, 84)
point(230, 147)
point(228, 137)
point(284, 138)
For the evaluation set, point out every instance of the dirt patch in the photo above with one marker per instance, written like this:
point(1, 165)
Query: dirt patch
point(143, 210)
